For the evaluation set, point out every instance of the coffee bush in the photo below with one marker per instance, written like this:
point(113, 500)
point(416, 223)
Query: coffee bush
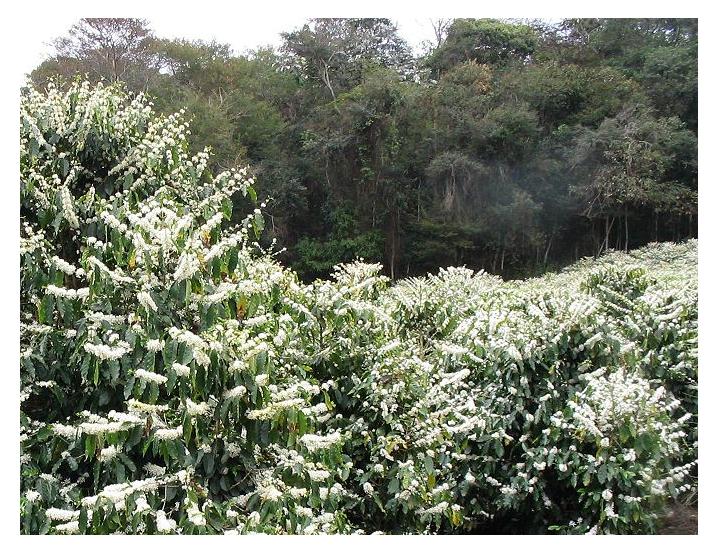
point(175, 378)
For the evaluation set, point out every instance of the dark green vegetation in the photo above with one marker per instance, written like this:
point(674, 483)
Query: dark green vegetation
point(513, 147)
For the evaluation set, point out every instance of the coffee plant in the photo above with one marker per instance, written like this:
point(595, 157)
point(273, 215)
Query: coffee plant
point(175, 378)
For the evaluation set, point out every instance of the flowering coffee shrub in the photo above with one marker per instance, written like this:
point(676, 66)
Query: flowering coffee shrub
point(176, 379)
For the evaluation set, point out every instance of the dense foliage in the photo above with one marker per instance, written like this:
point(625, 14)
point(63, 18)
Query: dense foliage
point(176, 378)
point(509, 146)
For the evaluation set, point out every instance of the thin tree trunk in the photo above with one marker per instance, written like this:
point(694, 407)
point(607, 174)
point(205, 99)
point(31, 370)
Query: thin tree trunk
point(419, 190)
point(547, 251)
point(655, 220)
point(327, 81)
point(619, 240)
point(594, 238)
point(607, 233)
point(393, 240)
point(608, 227)
point(627, 235)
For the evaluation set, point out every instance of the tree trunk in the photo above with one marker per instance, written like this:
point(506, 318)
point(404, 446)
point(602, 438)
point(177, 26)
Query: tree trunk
point(655, 227)
point(547, 251)
point(608, 227)
point(419, 192)
point(607, 233)
point(393, 240)
point(327, 81)
point(619, 240)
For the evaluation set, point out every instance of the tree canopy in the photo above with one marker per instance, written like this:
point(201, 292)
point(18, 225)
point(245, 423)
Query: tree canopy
point(513, 146)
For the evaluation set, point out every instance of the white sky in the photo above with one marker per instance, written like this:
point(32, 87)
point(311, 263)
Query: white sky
point(241, 33)
point(246, 25)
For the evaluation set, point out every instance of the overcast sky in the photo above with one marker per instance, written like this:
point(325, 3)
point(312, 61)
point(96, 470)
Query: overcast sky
point(242, 33)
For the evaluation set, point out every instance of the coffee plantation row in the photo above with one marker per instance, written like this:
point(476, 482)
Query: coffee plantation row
point(175, 378)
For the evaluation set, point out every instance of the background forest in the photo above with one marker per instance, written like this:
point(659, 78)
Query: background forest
point(510, 146)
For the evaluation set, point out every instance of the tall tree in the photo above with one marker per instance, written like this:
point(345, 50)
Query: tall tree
point(630, 161)
point(486, 41)
point(108, 49)
point(335, 52)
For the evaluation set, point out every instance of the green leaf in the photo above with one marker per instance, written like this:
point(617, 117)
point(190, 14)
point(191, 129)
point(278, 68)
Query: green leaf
point(153, 392)
point(127, 462)
point(428, 465)
point(187, 428)
point(302, 423)
point(224, 408)
point(90, 446)
point(209, 464)
point(83, 520)
point(169, 352)
point(499, 449)
point(128, 388)
point(602, 474)
point(120, 472)
point(114, 370)
point(185, 354)
point(45, 310)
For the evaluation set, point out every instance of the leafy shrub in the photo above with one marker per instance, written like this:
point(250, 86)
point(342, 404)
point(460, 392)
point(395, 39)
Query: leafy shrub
point(176, 379)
